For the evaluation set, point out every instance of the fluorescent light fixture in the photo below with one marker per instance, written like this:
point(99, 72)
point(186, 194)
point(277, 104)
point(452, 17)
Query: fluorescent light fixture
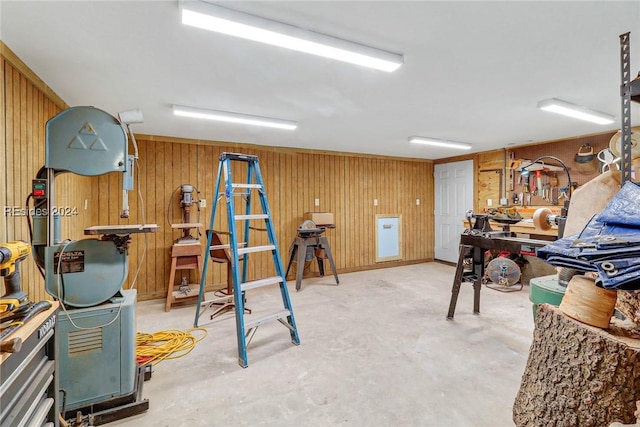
point(212, 17)
point(576, 111)
point(226, 116)
point(439, 143)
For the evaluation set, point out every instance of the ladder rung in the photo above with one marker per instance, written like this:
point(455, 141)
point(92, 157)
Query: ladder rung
point(254, 216)
point(241, 185)
point(261, 282)
point(226, 246)
point(264, 319)
point(220, 195)
point(252, 249)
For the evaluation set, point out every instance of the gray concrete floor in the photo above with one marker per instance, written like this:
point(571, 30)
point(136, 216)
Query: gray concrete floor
point(376, 350)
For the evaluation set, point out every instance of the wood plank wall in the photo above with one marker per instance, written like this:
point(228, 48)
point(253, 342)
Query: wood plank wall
point(27, 103)
point(486, 163)
point(345, 185)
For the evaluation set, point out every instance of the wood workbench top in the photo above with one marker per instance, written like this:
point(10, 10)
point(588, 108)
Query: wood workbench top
point(30, 327)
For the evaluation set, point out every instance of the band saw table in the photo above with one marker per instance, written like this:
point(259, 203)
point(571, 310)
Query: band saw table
point(474, 242)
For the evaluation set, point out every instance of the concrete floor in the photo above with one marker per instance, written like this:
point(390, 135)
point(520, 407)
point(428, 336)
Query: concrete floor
point(376, 350)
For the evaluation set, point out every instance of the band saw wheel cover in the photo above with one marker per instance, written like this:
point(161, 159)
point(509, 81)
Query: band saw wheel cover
point(614, 143)
point(541, 219)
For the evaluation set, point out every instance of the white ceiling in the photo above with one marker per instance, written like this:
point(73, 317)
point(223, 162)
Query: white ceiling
point(473, 71)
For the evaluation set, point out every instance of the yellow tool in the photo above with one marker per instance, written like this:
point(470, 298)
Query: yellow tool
point(11, 254)
point(8, 304)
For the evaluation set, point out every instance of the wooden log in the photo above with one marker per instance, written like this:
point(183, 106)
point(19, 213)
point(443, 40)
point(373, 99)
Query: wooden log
point(579, 375)
point(629, 304)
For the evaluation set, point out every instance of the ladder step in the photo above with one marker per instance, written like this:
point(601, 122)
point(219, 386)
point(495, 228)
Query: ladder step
point(237, 156)
point(254, 216)
point(261, 282)
point(264, 319)
point(226, 246)
point(251, 249)
point(243, 185)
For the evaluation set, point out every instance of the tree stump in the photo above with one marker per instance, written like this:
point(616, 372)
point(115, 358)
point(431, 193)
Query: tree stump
point(629, 304)
point(579, 375)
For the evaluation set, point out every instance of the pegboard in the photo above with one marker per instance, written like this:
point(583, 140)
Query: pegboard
point(566, 151)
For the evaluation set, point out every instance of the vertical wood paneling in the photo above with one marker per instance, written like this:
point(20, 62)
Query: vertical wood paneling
point(4, 149)
point(25, 111)
point(346, 185)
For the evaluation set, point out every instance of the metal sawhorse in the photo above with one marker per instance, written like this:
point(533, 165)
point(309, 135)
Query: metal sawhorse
point(310, 238)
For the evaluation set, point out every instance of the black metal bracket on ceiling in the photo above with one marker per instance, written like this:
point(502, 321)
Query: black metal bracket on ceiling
point(629, 91)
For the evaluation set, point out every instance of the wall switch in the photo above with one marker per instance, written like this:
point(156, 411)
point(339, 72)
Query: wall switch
point(203, 203)
point(417, 202)
point(375, 202)
point(489, 202)
point(316, 202)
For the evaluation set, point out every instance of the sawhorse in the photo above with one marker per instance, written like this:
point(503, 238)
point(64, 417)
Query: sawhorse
point(313, 238)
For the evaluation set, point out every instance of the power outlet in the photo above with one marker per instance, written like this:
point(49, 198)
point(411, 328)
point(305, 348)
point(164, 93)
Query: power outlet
point(375, 202)
point(489, 202)
point(317, 202)
point(203, 203)
point(417, 202)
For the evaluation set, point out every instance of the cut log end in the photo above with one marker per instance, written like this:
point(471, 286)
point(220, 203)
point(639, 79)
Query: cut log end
point(579, 375)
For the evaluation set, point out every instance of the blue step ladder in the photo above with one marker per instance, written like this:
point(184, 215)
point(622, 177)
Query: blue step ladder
point(240, 250)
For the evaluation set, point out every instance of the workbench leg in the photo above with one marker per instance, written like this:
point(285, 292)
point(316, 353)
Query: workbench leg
point(172, 276)
point(457, 282)
point(302, 254)
point(320, 264)
point(330, 258)
point(478, 271)
point(292, 255)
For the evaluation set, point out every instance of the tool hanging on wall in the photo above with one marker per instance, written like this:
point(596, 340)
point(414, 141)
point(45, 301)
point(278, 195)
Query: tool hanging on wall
point(539, 182)
point(187, 201)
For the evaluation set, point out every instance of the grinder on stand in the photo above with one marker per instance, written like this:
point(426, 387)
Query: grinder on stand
point(11, 254)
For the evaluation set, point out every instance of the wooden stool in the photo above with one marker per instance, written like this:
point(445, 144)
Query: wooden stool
point(184, 256)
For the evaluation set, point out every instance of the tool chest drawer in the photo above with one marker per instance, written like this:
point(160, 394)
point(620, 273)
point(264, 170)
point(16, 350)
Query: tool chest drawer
point(28, 382)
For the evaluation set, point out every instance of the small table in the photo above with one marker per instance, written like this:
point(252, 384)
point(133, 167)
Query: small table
point(310, 237)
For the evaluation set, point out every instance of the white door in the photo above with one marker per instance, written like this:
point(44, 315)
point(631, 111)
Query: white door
point(453, 198)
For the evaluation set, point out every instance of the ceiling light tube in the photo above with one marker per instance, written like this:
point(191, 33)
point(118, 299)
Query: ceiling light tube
point(226, 116)
point(439, 143)
point(212, 17)
point(576, 111)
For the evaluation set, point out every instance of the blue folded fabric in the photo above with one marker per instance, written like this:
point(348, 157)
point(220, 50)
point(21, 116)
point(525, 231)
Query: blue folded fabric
point(624, 208)
point(622, 274)
point(609, 244)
